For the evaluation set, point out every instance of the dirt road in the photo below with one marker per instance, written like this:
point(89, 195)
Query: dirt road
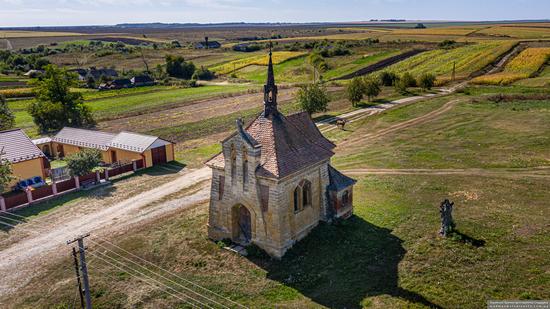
point(19, 261)
point(402, 125)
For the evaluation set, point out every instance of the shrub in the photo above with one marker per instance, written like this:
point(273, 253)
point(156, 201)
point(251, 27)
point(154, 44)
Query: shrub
point(426, 81)
point(388, 78)
point(408, 80)
point(83, 162)
point(203, 74)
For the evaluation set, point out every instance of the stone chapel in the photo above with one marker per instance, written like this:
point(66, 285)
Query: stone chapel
point(273, 182)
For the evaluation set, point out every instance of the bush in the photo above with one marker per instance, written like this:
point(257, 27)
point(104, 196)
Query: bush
point(313, 98)
point(203, 74)
point(408, 80)
point(426, 81)
point(7, 119)
point(388, 79)
point(83, 162)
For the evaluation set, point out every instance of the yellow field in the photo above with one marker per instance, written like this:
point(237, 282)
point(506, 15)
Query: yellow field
point(278, 57)
point(9, 34)
point(16, 92)
point(517, 31)
point(468, 59)
point(525, 65)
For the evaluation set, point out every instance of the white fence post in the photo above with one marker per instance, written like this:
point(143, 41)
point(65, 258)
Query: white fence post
point(76, 182)
point(2, 203)
point(134, 165)
point(97, 176)
point(106, 174)
point(29, 194)
point(54, 188)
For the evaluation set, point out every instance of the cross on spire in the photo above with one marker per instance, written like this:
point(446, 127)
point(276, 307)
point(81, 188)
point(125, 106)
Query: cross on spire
point(270, 88)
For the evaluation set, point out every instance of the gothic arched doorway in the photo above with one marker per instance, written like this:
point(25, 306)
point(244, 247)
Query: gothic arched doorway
point(242, 225)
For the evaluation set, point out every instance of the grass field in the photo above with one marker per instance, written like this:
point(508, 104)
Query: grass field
point(468, 59)
point(542, 80)
point(478, 134)
point(112, 105)
point(389, 252)
point(524, 65)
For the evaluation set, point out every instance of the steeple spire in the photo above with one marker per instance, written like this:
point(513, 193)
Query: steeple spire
point(270, 89)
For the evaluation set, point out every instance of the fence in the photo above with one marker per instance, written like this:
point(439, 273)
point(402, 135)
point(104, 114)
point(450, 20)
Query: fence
point(19, 199)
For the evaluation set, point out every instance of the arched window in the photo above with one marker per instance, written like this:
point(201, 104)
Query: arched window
point(245, 166)
point(306, 194)
point(233, 162)
point(345, 198)
point(296, 199)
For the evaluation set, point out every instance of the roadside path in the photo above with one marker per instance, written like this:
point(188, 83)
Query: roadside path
point(20, 261)
point(328, 124)
point(402, 125)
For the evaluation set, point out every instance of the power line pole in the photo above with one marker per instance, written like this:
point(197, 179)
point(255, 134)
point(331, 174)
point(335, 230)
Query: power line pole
point(78, 279)
point(83, 268)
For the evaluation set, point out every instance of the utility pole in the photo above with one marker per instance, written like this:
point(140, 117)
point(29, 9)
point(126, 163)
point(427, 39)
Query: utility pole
point(454, 71)
point(83, 268)
point(78, 279)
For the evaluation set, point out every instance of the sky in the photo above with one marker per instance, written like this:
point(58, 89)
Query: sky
point(24, 13)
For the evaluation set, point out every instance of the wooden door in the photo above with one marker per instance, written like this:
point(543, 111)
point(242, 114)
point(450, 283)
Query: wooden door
point(114, 158)
point(158, 155)
point(245, 225)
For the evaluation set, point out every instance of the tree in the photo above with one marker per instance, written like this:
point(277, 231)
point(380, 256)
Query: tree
point(176, 66)
point(372, 88)
point(355, 90)
point(56, 106)
point(426, 81)
point(83, 162)
point(7, 119)
point(6, 175)
point(388, 78)
point(313, 98)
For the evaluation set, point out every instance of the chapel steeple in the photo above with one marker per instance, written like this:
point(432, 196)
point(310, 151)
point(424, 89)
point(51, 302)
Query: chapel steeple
point(270, 89)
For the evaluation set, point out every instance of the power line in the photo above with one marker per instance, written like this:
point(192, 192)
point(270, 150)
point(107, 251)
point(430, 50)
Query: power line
point(186, 288)
point(158, 267)
point(159, 284)
point(141, 259)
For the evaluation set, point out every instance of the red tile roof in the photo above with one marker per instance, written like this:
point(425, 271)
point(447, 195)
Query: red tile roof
point(289, 144)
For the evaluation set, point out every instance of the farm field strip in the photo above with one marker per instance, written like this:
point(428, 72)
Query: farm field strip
point(278, 58)
point(469, 59)
point(524, 65)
